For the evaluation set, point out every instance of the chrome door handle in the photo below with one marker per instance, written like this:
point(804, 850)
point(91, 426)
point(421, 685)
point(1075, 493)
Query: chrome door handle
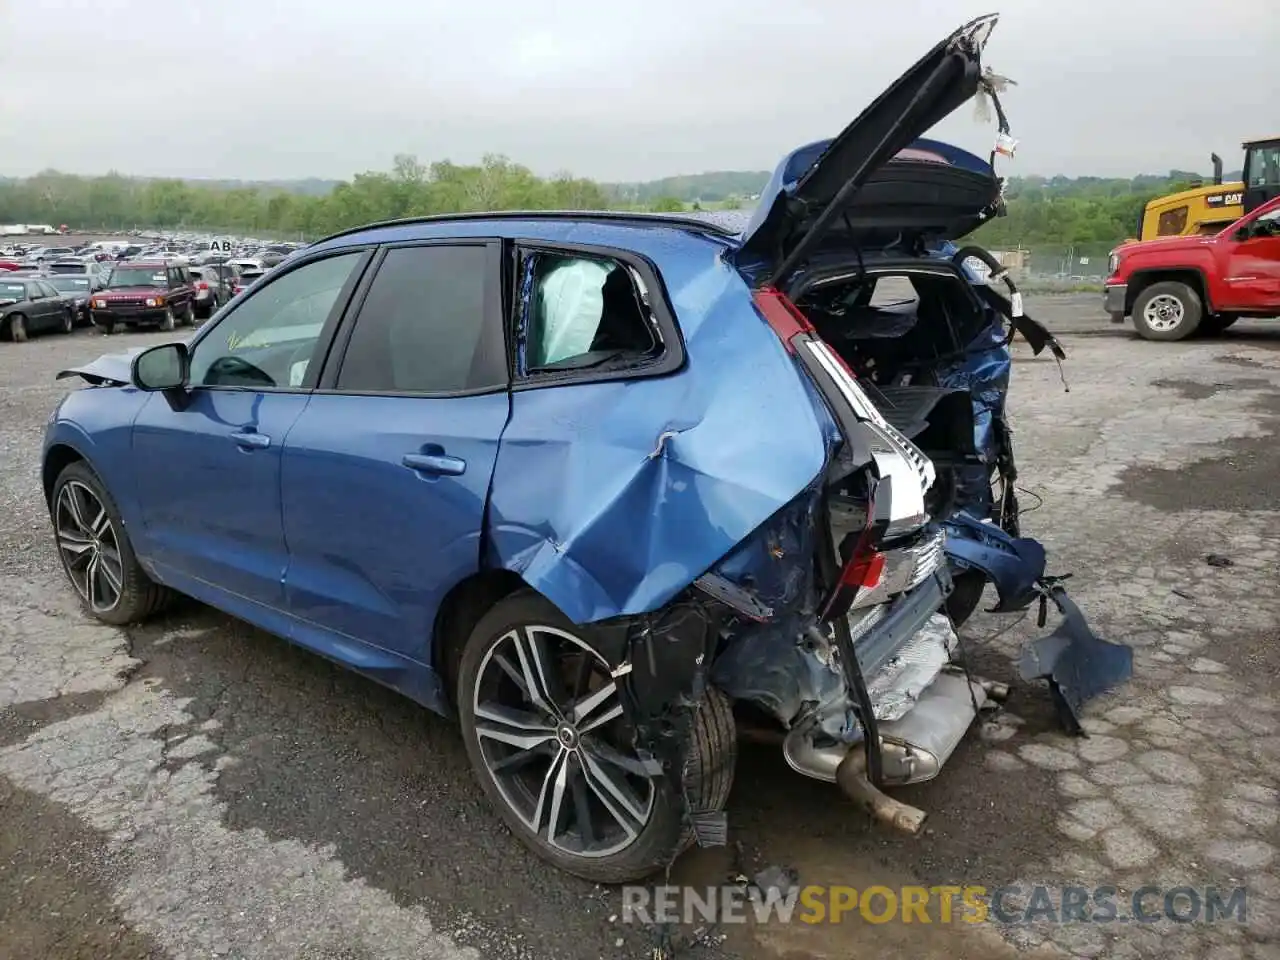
point(437, 464)
point(251, 439)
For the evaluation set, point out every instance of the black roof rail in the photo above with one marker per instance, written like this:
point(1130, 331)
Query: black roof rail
point(618, 216)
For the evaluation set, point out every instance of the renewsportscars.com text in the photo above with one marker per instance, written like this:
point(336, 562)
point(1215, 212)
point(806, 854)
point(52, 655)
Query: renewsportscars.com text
point(938, 904)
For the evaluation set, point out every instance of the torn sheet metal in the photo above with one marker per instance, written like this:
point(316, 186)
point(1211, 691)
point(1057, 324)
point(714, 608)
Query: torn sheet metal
point(110, 368)
point(609, 498)
point(1078, 663)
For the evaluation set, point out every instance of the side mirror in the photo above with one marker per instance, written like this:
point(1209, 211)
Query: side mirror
point(165, 367)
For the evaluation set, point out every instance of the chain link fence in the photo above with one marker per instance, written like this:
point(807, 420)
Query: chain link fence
point(1077, 266)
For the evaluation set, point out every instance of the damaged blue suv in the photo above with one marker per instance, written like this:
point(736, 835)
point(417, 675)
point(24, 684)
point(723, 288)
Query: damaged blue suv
point(589, 480)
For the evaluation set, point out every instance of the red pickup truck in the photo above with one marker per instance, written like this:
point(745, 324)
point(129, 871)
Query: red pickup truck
point(1173, 287)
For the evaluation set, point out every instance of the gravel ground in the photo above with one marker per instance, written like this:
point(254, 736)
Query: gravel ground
point(196, 788)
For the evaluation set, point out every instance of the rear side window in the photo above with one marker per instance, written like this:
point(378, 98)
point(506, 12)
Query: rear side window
point(586, 312)
point(421, 328)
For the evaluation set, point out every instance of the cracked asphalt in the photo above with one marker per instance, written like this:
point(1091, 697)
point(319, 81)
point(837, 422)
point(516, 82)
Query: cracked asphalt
point(195, 788)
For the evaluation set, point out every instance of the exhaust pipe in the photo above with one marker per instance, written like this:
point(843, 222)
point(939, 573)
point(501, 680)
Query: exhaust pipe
point(1217, 167)
point(851, 775)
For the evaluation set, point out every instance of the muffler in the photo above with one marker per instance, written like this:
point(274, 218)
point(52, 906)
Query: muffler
point(913, 748)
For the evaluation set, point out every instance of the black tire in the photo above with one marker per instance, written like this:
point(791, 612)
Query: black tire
point(1169, 310)
point(168, 322)
point(189, 316)
point(68, 321)
point(712, 755)
point(16, 326)
point(1215, 324)
point(966, 593)
point(140, 597)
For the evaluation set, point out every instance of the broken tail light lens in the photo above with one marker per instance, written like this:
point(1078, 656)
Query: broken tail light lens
point(862, 571)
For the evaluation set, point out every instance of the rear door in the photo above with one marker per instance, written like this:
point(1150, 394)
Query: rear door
point(386, 473)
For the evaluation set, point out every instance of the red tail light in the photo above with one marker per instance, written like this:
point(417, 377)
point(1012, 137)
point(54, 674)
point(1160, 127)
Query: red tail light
point(862, 571)
point(782, 315)
point(202, 286)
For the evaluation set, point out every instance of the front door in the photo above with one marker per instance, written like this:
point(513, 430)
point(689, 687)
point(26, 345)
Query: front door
point(386, 473)
point(209, 461)
point(1253, 269)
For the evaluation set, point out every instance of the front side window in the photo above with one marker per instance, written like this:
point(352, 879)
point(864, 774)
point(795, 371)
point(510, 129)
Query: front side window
point(422, 326)
point(268, 340)
point(586, 312)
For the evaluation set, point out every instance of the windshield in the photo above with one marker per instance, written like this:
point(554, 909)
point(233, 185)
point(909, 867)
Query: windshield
point(13, 291)
point(69, 284)
point(137, 277)
point(68, 268)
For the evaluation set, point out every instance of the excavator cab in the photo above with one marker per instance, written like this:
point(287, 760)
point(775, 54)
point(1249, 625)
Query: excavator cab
point(1261, 172)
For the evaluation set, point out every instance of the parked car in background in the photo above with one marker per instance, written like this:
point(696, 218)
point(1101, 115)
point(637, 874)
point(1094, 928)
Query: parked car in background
point(212, 291)
point(1174, 287)
point(82, 267)
point(142, 293)
point(29, 305)
point(44, 255)
point(79, 289)
point(247, 277)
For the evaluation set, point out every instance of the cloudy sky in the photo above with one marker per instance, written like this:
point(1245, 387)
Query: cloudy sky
point(293, 88)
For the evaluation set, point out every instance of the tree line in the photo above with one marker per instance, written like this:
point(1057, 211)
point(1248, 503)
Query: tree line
point(1057, 210)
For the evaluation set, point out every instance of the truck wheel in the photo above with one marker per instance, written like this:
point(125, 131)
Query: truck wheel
point(169, 321)
point(189, 316)
point(548, 741)
point(17, 328)
point(1168, 310)
point(1217, 323)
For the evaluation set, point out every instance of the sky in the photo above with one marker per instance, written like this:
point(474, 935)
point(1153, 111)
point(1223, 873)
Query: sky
point(266, 89)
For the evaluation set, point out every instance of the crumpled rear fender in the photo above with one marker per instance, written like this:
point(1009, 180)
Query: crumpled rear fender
point(610, 498)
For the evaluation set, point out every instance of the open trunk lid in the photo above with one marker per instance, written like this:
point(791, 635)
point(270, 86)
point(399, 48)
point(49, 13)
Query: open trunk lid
point(845, 193)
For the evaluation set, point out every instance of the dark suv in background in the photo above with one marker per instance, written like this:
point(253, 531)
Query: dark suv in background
point(145, 293)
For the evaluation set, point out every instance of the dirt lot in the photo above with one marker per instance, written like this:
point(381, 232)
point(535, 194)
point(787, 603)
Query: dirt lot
point(199, 789)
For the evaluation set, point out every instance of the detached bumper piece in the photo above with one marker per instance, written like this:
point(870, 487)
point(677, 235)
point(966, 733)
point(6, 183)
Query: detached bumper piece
point(1076, 662)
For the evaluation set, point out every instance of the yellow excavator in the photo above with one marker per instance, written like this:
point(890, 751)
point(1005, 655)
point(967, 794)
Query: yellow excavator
point(1209, 208)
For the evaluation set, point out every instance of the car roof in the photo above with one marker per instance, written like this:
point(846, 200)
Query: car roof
point(662, 239)
point(705, 224)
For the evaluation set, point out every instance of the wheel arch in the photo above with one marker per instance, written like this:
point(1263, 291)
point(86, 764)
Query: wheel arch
point(56, 459)
point(463, 606)
point(1193, 277)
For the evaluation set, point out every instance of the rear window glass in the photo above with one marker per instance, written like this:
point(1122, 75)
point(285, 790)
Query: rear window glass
point(586, 311)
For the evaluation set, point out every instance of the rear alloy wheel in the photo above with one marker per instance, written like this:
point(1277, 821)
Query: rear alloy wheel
point(95, 551)
point(17, 328)
point(169, 321)
point(189, 316)
point(1169, 310)
point(546, 735)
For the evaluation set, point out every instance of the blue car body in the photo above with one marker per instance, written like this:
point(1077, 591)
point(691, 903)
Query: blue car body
point(743, 503)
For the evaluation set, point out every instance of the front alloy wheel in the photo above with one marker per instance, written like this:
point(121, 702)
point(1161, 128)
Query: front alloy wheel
point(89, 547)
point(95, 551)
point(546, 733)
